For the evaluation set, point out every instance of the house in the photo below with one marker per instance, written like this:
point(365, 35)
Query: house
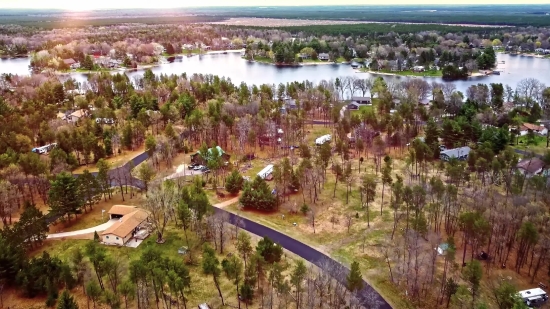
point(304, 56)
point(198, 158)
point(69, 61)
point(353, 106)
point(418, 68)
point(323, 57)
point(290, 103)
point(119, 211)
point(540, 130)
point(361, 100)
point(460, 153)
point(125, 228)
point(76, 116)
point(531, 167)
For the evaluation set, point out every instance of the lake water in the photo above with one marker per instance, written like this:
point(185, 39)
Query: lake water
point(514, 69)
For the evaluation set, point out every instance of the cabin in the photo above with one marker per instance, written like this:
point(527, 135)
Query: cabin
point(460, 153)
point(266, 172)
point(125, 228)
point(323, 139)
point(202, 159)
point(531, 167)
point(361, 100)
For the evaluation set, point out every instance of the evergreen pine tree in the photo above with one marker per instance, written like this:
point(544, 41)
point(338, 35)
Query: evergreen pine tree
point(354, 278)
point(66, 301)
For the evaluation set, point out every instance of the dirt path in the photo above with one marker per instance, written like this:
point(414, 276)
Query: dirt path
point(227, 203)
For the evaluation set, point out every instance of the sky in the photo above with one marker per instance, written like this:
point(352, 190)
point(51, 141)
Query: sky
point(73, 5)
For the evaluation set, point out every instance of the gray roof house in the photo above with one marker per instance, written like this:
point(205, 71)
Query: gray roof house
point(460, 153)
point(361, 100)
point(353, 106)
point(531, 167)
point(323, 56)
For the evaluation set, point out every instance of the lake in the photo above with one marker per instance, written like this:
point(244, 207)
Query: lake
point(231, 65)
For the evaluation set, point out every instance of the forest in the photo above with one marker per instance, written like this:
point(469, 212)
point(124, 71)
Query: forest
point(379, 185)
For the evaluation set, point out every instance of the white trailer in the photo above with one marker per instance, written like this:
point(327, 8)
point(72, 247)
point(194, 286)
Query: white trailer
point(533, 297)
point(266, 171)
point(323, 139)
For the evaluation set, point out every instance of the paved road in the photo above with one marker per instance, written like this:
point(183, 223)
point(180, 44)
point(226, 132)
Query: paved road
point(304, 251)
point(526, 153)
point(308, 253)
point(99, 228)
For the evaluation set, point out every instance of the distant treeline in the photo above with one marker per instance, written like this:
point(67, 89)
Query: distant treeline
point(364, 30)
point(63, 22)
point(513, 15)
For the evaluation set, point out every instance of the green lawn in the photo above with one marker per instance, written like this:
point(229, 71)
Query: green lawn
point(263, 59)
point(537, 145)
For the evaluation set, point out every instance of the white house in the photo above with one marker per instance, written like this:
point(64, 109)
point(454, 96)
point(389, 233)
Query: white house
point(540, 130)
point(125, 228)
point(361, 100)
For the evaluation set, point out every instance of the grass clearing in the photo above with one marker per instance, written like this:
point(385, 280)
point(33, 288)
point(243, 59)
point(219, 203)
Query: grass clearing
point(536, 145)
point(115, 161)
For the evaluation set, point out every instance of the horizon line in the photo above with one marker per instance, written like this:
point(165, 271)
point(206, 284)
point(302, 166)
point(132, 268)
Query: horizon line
point(286, 5)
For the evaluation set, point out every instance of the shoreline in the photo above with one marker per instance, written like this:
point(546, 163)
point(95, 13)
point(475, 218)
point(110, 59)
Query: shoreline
point(477, 74)
point(297, 64)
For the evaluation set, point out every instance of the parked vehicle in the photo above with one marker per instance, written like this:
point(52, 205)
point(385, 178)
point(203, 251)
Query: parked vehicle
point(533, 297)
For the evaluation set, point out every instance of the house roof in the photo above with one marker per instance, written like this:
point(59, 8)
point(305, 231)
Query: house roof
point(121, 210)
point(456, 152)
point(360, 99)
point(127, 224)
point(531, 165)
point(79, 113)
point(220, 151)
point(69, 61)
point(534, 127)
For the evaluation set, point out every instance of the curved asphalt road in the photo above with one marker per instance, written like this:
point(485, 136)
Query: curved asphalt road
point(308, 253)
point(304, 251)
